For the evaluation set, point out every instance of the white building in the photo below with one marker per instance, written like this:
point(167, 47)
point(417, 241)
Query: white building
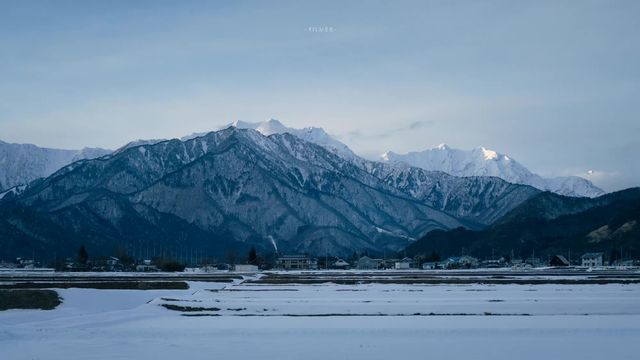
point(404, 264)
point(367, 263)
point(341, 264)
point(297, 262)
point(431, 266)
point(593, 259)
point(246, 268)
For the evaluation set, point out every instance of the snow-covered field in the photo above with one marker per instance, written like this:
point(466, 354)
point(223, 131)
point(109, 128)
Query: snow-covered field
point(368, 321)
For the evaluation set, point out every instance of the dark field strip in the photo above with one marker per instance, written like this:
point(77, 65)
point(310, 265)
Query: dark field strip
point(81, 278)
point(29, 299)
point(108, 285)
point(188, 308)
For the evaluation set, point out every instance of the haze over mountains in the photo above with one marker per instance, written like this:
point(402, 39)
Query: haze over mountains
point(22, 163)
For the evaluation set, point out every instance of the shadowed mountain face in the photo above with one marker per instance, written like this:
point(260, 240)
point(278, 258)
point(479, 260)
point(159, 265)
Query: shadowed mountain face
point(235, 188)
point(549, 224)
point(228, 188)
point(482, 200)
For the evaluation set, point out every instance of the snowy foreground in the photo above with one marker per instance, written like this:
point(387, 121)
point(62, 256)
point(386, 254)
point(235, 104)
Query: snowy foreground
point(326, 321)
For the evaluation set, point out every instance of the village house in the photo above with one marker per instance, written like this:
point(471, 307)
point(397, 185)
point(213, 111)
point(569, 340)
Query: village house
point(341, 264)
point(246, 268)
point(493, 263)
point(404, 264)
point(627, 263)
point(26, 263)
point(558, 260)
point(431, 265)
point(461, 262)
point(367, 263)
point(297, 262)
point(146, 266)
point(593, 259)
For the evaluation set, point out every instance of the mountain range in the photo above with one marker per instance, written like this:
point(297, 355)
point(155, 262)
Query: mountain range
point(484, 162)
point(23, 163)
point(251, 184)
point(236, 187)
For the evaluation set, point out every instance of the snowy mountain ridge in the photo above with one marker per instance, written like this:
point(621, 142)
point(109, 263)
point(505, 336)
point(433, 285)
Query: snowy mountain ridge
point(311, 134)
point(228, 189)
point(477, 162)
point(484, 162)
point(22, 163)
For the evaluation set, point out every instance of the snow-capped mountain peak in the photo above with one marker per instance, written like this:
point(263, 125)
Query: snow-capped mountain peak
point(266, 128)
point(488, 154)
point(312, 134)
point(387, 156)
point(485, 162)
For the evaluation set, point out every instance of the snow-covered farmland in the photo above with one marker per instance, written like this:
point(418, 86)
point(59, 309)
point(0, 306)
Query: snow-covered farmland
point(366, 321)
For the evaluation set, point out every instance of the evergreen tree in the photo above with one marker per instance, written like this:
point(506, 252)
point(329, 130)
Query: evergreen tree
point(434, 257)
point(83, 256)
point(253, 256)
point(231, 257)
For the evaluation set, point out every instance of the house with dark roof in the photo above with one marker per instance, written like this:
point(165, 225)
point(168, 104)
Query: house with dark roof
point(558, 260)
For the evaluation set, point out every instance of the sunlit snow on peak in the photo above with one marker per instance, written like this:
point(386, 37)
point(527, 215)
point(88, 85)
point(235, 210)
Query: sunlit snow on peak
point(489, 154)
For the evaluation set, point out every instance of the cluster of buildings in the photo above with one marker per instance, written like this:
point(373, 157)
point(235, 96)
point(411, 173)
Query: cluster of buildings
point(593, 259)
point(304, 262)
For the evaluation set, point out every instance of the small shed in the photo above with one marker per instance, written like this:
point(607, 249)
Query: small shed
point(341, 264)
point(404, 264)
point(558, 260)
point(431, 266)
point(246, 268)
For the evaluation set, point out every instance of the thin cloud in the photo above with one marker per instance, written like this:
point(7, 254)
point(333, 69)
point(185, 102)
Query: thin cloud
point(389, 133)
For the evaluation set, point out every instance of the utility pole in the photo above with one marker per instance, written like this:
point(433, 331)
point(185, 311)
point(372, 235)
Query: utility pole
point(326, 257)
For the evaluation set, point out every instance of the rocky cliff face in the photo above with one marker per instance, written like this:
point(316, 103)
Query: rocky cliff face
point(482, 200)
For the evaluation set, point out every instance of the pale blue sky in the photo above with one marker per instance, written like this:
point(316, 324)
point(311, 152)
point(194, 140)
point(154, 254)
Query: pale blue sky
point(555, 84)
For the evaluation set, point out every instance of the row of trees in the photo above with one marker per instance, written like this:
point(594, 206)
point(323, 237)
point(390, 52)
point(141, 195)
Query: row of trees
point(165, 264)
point(125, 262)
